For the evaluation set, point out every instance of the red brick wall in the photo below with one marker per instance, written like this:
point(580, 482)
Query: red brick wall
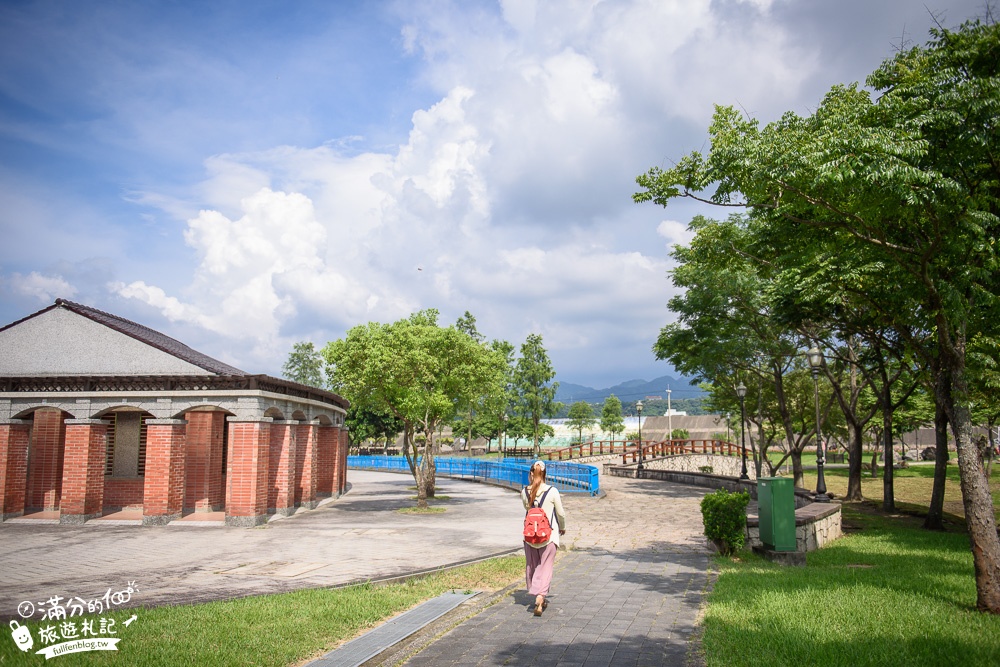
point(281, 467)
point(203, 461)
point(246, 477)
point(326, 448)
point(345, 442)
point(83, 469)
point(14, 439)
point(45, 460)
point(163, 490)
point(305, 468)
point(123, 493)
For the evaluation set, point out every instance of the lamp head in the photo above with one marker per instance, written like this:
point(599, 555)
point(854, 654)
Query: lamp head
point(638, 406)
point(741, 390)
point(815, 357)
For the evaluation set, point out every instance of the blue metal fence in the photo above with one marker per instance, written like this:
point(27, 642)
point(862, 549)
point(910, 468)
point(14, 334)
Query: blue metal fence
point(567, 477)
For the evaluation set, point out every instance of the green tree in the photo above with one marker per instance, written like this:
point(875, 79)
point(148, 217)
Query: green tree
point(364, 424)
point(912, 176)
point(536, 393)
point(304, 365)
point(581, 416)
point(611, 416)
point(417, 371)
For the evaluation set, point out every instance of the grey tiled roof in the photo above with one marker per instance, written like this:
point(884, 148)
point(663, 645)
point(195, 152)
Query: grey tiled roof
point(150, 337)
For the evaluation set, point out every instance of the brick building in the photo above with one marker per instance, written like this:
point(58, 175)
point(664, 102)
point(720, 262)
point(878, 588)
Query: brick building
point(100, 414)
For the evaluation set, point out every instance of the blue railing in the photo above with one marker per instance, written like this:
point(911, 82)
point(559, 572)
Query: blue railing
point(567, 477)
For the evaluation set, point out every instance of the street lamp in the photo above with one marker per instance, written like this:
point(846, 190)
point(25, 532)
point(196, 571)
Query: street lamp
point(815, 363)
point(670, 419)
point(638, 408)
point(741, 391)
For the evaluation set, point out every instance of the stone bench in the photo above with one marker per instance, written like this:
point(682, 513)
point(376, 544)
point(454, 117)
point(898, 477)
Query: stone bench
point(816, 525)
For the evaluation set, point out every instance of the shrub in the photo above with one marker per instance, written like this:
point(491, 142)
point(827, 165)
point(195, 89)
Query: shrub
point(725, 517)
point(680, 434)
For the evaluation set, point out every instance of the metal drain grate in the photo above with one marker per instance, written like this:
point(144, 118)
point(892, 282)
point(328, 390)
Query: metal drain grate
point(393, 631)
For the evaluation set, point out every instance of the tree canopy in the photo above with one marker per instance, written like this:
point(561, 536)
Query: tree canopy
point(891, 200)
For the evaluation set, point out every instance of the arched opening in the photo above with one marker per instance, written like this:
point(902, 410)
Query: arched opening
point(125, 458)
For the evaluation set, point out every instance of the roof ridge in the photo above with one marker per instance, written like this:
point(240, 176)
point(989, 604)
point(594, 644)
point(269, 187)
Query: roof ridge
point(147, 336)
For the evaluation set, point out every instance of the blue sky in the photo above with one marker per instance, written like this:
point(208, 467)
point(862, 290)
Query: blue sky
point(245, 175)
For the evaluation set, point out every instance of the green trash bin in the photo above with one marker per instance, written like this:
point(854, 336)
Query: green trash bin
point(776, 509)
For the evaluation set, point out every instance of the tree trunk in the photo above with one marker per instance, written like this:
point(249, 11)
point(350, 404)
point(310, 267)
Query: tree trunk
point(854, 464)
point(430, 469)
point(797, 467)
point(888, 497)
point(976, 498)
point(935, 513)
point(538, 448)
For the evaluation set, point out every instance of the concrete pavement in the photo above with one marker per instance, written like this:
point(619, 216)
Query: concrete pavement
point(627, 591)
point(627, 587)
point(356, 537)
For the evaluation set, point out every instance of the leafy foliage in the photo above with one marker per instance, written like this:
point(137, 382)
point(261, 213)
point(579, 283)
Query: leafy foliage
point(536, 397)
point(725, 517)
point(581, 416)
point(611, 416)
point(304, 365)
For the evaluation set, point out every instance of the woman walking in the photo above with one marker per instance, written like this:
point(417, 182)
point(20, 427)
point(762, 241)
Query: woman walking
point(540, 557)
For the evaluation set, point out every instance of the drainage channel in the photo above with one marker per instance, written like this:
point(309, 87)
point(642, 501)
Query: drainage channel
point(393, 631)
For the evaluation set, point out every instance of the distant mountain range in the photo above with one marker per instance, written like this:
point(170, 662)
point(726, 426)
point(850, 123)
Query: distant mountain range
point(627, 391)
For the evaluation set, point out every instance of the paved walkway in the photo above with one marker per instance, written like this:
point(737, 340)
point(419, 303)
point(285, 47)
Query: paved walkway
point(627, 591)
point(359, 536)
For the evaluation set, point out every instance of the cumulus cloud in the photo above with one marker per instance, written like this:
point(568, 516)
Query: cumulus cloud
point(510, 194)
point(676, 233)
point(39, 287)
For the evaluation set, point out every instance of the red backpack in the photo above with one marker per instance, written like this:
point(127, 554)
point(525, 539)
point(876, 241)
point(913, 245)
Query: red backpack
point(537, 528)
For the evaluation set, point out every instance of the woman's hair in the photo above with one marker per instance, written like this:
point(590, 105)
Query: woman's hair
point(539, 468)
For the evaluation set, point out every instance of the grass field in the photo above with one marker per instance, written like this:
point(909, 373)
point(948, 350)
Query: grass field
point(272, 630)
point(888, 593)
point(911, 486)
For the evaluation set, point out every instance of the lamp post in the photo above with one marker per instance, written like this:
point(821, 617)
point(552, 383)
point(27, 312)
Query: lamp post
point(670, 419)
point(741, 392)
point(815, 363)
point(638, 408)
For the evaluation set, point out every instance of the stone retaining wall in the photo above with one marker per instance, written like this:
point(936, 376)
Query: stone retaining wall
point(727, 466)
point(816, 524)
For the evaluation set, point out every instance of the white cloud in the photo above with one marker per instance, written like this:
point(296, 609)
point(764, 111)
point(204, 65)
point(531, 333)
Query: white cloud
point(42, 288)
point(508, 197)
point(676, 233)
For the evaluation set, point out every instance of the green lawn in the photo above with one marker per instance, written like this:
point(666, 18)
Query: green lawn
point(271, 630)
point(890, 594)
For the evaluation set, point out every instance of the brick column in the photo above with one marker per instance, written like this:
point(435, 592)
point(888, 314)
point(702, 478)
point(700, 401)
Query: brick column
point(281, 468)
point(203, 490)
point(14, 438)
point(163, 489)
point(345, 441)
point(305, 466)
point(326, 449)
point(45, 462)
point(246, 472)
point(83, 470)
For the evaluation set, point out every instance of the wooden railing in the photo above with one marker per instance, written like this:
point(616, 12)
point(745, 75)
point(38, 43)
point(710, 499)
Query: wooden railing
point(674, 447)
point(592, 448)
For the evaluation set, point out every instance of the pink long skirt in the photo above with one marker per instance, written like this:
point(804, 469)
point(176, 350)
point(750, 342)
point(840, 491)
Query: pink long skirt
point(538, 564)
